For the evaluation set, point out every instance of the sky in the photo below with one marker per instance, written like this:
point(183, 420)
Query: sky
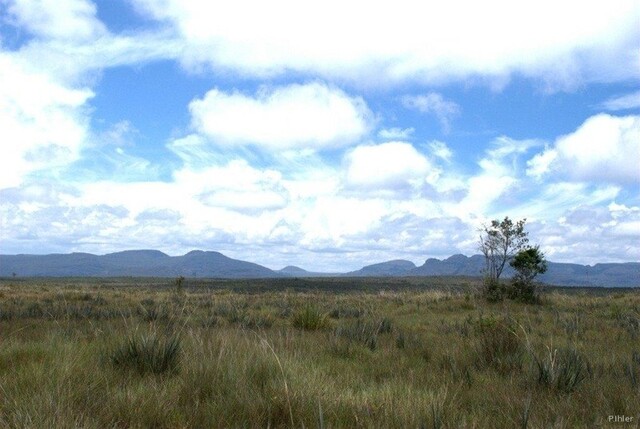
point(327, 135)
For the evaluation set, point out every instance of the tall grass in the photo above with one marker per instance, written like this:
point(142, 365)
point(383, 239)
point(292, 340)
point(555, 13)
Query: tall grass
point(148, 353)
point(399, 359)
point(499, 345)
point(563, 369)
point(310, 318)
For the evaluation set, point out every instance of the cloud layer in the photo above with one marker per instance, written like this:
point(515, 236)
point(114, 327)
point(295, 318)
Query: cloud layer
point(304, 140)
point(391, 42)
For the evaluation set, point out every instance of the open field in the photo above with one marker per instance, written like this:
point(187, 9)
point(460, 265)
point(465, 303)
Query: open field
point(313, 353)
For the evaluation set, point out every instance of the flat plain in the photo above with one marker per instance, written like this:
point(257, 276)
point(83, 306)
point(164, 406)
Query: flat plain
point(325, 352)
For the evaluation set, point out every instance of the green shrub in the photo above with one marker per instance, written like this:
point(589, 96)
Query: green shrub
point(148, 354)
point(364, 331)
point(256, 321)
point(493, 290)
point(152, 313)
point(499, 346)
point(310, 319)
point(385, 326)
point(528, 263)
point(343, 312)
point(522, 290)
point(563, 369)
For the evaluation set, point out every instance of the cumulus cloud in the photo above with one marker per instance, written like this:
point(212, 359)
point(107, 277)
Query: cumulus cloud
point(604, 148)
point(438, 42)
point(312, 116)
point(387, 165)
point(434, 103)
point(43, 121)
point(72, 20)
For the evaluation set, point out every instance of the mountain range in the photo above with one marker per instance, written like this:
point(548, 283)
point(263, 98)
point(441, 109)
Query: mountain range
point(197, 263)
point(134, 263)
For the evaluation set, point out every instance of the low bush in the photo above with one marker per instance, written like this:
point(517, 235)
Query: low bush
point(364, 331)
point(310, 319)
point(563, 369)
point(148, 354)
point(343, 312)
point(492, 290)
point(499, 346)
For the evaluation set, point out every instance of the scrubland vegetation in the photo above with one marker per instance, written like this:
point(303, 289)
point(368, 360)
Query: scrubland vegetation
point(320, 353)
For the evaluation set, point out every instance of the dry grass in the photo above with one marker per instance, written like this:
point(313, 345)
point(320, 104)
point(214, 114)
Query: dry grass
point(82, 355)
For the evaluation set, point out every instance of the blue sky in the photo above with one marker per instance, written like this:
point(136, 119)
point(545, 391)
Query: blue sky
point(327, 135)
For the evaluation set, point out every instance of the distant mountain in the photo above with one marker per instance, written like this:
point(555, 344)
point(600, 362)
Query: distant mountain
point(456, 265)
point(153, 263)
point(561, 274)
point(623, 274)
point(398, 267)
point(143, 263)
point(293, 271)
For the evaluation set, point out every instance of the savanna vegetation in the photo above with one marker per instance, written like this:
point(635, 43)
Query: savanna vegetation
point(325, 353)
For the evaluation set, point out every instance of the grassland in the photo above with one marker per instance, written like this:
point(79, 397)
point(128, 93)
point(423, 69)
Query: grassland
point(324, 353)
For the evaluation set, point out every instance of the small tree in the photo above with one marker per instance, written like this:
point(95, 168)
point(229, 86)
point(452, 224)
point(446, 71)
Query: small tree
point(499, 242)
point(528, 263)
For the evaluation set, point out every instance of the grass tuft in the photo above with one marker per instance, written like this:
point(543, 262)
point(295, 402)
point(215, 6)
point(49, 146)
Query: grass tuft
point(148, 354)
point(310, 318)
point(499, 346)
point(563, 369)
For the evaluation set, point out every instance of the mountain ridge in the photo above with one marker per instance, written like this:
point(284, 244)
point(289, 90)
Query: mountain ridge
point(212, 264)
point(132, 263)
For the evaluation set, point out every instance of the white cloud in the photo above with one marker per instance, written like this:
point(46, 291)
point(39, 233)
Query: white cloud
point(499, 172)
point(555, 199)
point(623, 102)
point(590, 233)
point(603, 148)
point(387, 165)
point(406, 40)
point(441, 150)
point(396, 133)
point(42, 121)
point(434, 103)
point(66, 40)
point(120, 134)
point(235, 186)
point(541, 163)
point(295, 116)
point(57, 19)
point(245, 200)
point(292, 198)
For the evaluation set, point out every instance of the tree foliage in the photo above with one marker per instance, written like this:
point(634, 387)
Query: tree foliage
point(499, 243)
point(528, 263)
